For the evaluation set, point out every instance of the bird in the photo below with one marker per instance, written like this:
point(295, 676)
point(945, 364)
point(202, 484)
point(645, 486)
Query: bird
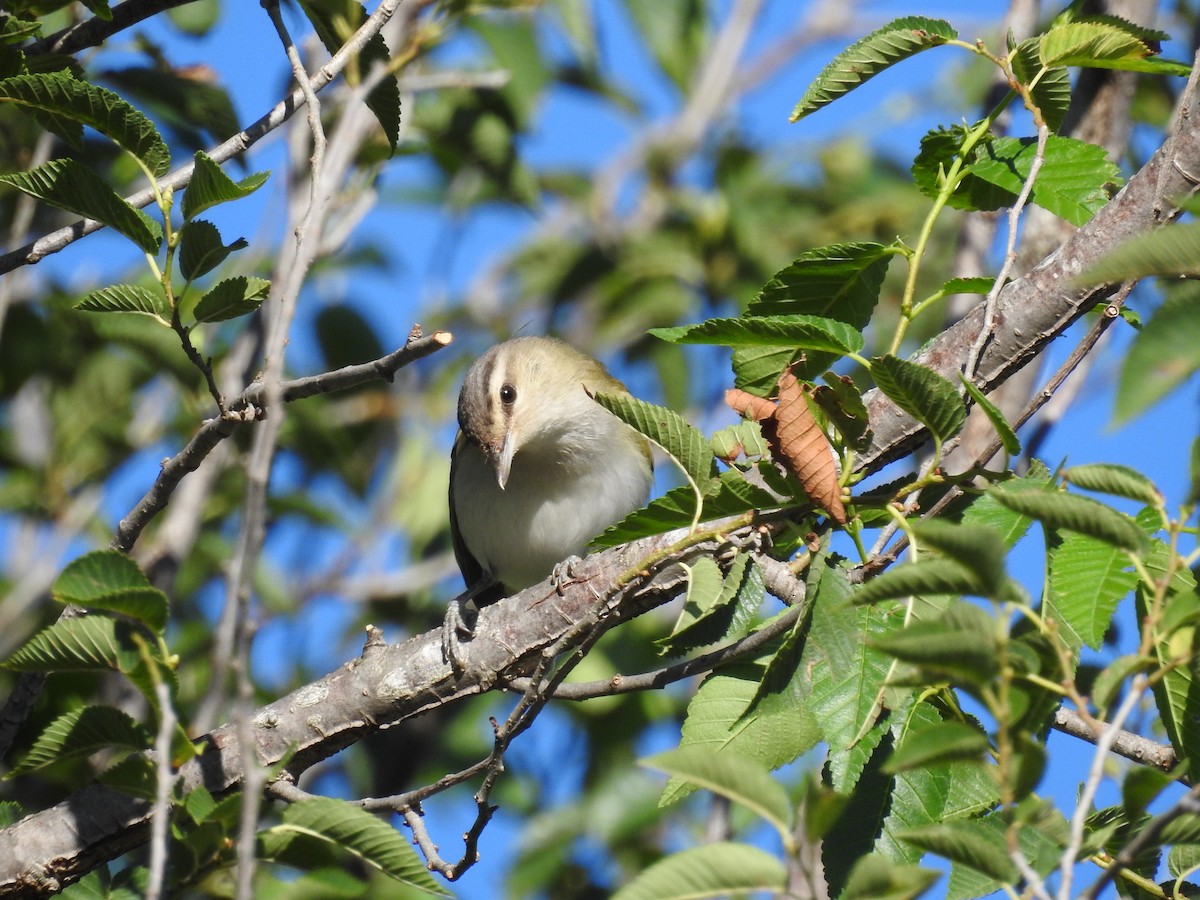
point(538, 468)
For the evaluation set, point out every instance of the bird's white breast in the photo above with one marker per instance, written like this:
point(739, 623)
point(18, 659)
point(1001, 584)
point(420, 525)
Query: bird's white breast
point(560, 494)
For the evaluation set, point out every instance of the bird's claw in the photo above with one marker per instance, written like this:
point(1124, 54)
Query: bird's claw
point(459, 623)
point(564, 573)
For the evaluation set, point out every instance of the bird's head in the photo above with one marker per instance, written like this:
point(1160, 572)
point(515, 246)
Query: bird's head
point(526, 393)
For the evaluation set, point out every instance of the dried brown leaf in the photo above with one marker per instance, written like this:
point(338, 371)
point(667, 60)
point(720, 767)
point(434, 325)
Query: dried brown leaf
point(801, 445)
point(748, 405)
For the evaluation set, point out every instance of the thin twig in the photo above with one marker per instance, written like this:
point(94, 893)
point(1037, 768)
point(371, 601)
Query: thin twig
point(1083, 803)
point(1111, 312)
point(1127, 744)
point(238, 144)
point(1010, 253)
point(164, 782)
point(658, 678)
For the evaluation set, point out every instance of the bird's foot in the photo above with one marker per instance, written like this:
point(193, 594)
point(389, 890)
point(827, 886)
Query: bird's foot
point(564, 573)
point(458, 626)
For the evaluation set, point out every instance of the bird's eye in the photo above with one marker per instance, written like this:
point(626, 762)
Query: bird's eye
point(508, 395)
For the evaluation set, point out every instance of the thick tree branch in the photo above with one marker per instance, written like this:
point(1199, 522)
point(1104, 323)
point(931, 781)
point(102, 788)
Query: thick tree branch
point(388, 684)
point(56, 846)
point(1033, 310)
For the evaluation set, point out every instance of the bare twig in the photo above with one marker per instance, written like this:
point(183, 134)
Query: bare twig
point(1125, 743)
point(1010, 252)
point(239, 143)
point(164, 781)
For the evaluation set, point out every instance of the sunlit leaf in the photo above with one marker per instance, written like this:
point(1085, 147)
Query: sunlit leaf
point(233, 297)
point(741, 779)
point(1008, 437)
point(210, 186)
point(1073, 182)
point(130, 298)
point(1083, 514)
point(867, 57)
point(967, 843)
point(685, 443)
point(356, 831)
point(61, 95)
point(74, 187)
point(941, 742)
point(1087, 579)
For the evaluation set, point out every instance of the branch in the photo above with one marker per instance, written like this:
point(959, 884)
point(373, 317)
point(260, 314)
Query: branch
point(54, 847)
point(1126, 743)
point(95, 31)
point(245, 409)
point(242, 410)
point(1033, 310)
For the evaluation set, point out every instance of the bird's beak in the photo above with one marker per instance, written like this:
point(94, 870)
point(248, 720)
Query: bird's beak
point(502, 460)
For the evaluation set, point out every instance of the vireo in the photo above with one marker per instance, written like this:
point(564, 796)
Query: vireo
point(538, 467)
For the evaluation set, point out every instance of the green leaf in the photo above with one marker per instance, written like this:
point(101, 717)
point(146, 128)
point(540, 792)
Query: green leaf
point(1073, 182)
point(1041, 838)
point(844, 407)
point(1163, 354)
point(727, 495)
point(334, 23)
point(940, 742)
point(847, 673)
point(1176, 636)
point(875, 877)
point(967, 843)
point(1012, 526)
point(201, 249)
point(128, 298)
point(977, 548)
point(723, 717)
point(210, 186)
point(356, 831)
point(714, 870)
point(1008, 437)
point(76, 188)
point(738, 778)
point(685, 443)
point(233, 297)
point(743, 439)
point(974, 285)
point(81, 733)
point(1173, 250)
point(960, 644)
point(841, 281)
point(867, 57)
point(1052, 93)
point(84, 643)
point(1087, 579)
point(800, 331)
point(939, 148)
point(62, 96)
point(1073, 513)
point(1121, 481)
point(108, 579)
point(922, 393)
point(716, 609)
point(1103, 45)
